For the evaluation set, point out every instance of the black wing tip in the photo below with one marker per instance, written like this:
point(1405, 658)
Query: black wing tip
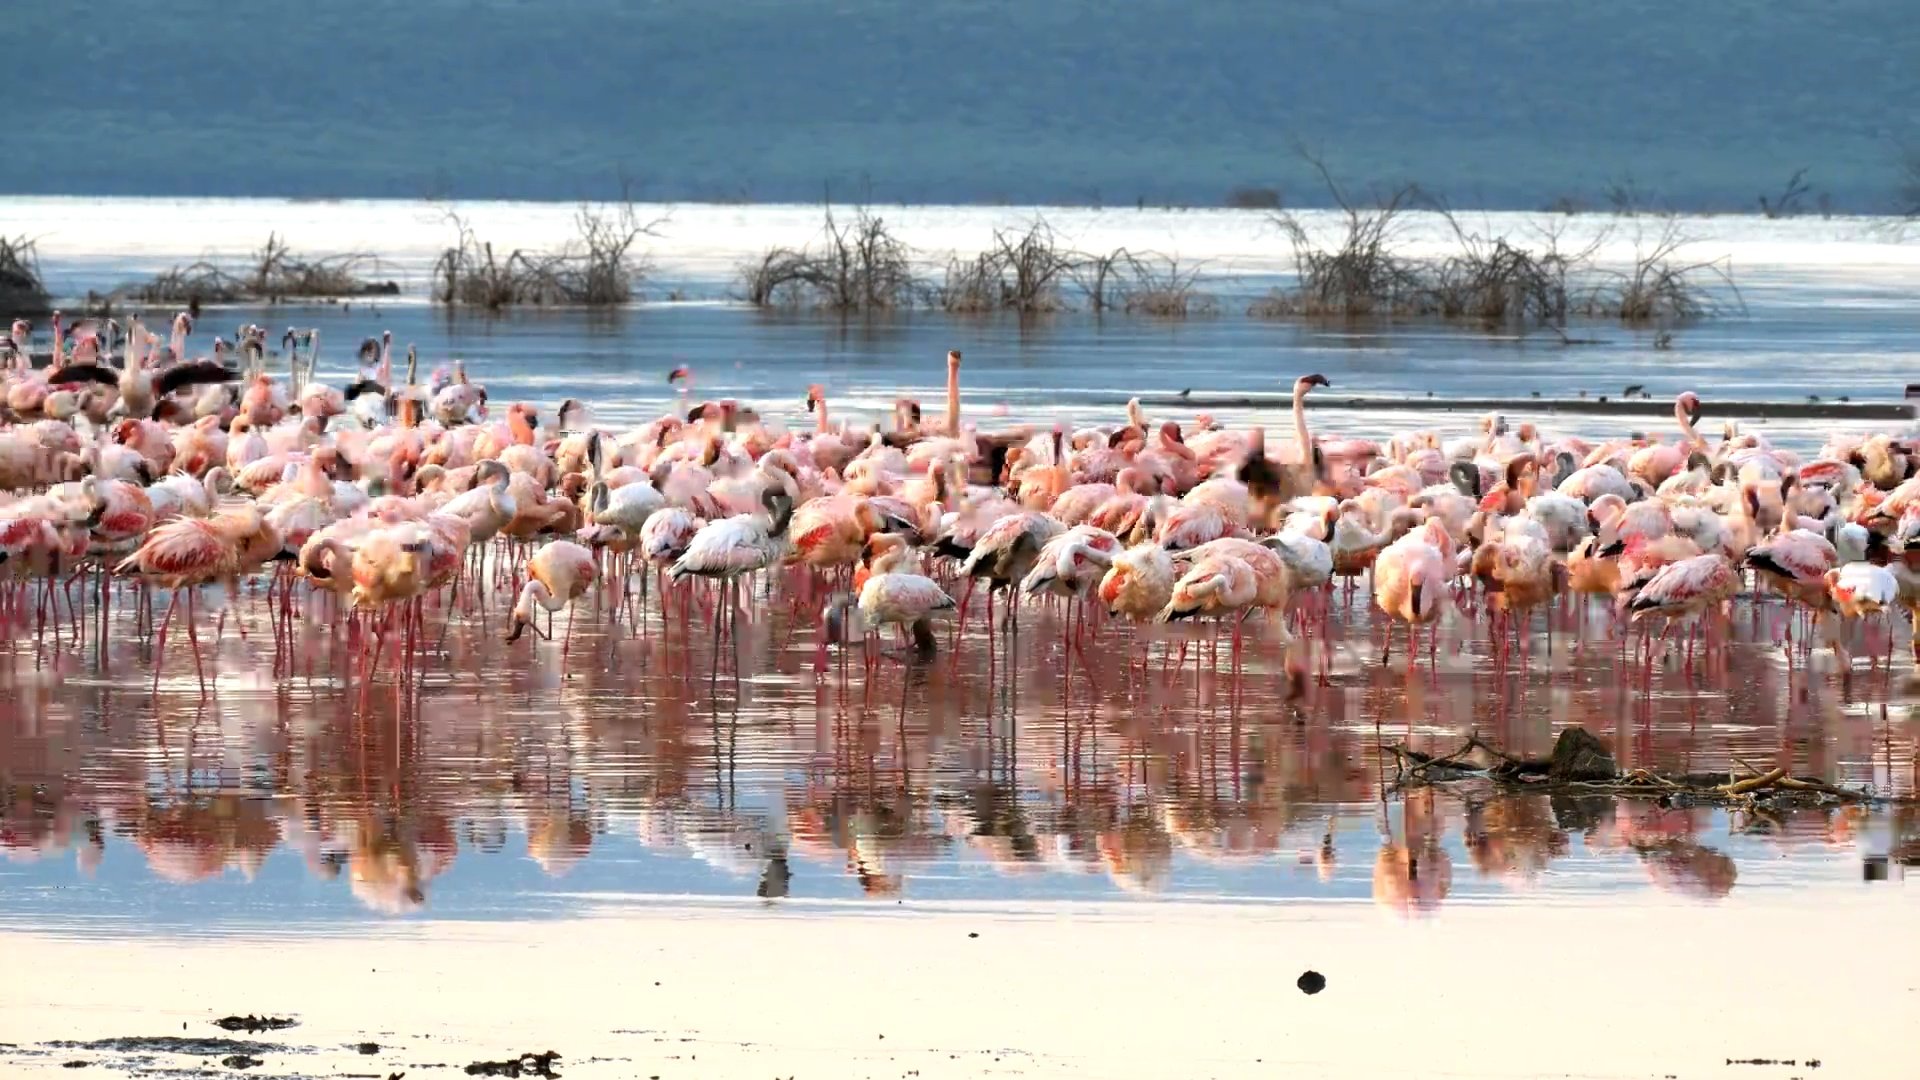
point(73, 373)
point(194, 373)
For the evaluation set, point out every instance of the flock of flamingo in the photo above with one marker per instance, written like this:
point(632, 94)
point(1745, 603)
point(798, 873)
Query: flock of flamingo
point(126, 457)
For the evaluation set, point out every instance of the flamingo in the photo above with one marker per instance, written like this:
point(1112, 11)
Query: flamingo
point(891, 590)
point(557, 575)
point(726, 549)
point(1859, 589)
point(1686, 589)
point(1409, 583)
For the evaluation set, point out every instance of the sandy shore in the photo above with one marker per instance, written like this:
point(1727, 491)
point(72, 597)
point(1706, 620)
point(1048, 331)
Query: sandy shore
point(672, 989)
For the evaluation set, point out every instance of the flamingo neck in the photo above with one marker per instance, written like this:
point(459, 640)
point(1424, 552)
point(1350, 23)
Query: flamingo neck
point(1300, 434)
point(953, 399)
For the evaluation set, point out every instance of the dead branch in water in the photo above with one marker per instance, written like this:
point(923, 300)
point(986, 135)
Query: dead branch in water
point(1787, 203)
point(1661, 287)
point(22, 290)
point(596, 269)
point(857, 265)
point(1157, 285)
point(1581, 764)
point(271, 274)
point(1363, 274)
point(1020, 272)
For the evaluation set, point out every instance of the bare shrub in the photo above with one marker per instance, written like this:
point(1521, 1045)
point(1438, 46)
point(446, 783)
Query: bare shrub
point(468, 273)
point(1625, 198)
point(22, 290)
point(779, 278)
point(1498, 282)
point(1363, 274)
point(196, 283)
point(1662, 287)
point(1100, 278)
point(1021, 272)
point(596, 269)
point(270, 274)
point(1787, 203)
point(857, 265)
point(973, 286)
point(866, 267)
point(1157, 285)
point(605, 270)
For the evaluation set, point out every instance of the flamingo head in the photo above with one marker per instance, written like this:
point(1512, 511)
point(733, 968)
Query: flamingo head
point(815, 395)
point(678, 374)
point(523, 610)
point(1307, 382)
point(1688, 404)
point(953, 359)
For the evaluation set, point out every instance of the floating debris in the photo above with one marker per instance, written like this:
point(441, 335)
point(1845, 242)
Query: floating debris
point(1311, 982)
point(252, 1024)
point(524, 1065)
point(168, 1044)
point(1581, 763)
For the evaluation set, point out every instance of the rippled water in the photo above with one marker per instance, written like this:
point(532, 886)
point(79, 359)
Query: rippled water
point(639, 768)
point(1040, 768)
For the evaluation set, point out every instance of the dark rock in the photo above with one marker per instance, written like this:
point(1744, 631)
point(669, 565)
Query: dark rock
point(242, 1061)
point(1579, 755)
point(368, 1048)
point(1311, 982)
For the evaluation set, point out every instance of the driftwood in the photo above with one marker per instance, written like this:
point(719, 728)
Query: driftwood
point(1581, 764)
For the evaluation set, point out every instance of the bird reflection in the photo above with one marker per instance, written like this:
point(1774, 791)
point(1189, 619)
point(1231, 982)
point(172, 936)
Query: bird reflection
point(1076, 761)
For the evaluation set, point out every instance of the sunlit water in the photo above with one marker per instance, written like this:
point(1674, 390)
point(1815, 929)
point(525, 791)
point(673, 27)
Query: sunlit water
point(645, 774)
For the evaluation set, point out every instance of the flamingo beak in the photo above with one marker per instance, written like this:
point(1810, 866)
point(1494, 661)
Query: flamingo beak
point(519, 626)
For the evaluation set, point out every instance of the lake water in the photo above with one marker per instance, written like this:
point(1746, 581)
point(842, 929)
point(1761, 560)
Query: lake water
point(661, 855)
point(1822, 308)
point(1074, 101)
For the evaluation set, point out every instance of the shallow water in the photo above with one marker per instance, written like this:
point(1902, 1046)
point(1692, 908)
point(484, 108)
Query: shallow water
point(525, 806)
point(1823, 308)
point(638, 846)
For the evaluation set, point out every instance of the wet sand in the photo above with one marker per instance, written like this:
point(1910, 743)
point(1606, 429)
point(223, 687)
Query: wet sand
point(659, 987)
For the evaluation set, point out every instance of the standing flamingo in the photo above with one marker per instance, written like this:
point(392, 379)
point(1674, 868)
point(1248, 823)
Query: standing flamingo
point(557, 575)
